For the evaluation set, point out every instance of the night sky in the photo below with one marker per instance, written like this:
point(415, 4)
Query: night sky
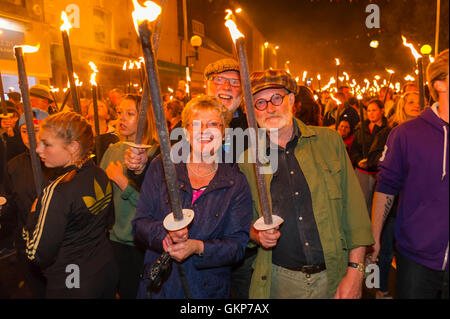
point(311, 33)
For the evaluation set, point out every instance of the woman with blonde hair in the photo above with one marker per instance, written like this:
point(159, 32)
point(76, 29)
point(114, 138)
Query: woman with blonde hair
point(220, 197)
point(66, 236)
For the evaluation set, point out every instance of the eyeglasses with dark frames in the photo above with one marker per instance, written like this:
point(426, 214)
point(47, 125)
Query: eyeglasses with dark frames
point(276, 100)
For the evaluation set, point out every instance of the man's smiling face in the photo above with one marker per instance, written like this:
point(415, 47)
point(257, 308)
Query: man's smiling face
point(228, 93)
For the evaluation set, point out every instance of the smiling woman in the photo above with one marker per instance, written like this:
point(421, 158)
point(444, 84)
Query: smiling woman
point(219, 195)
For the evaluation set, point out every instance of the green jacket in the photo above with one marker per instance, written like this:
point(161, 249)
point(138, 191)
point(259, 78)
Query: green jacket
point(125, 202)
point(338, 204)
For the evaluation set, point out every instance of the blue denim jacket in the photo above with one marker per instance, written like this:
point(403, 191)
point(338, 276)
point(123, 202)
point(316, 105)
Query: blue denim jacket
point(223, 216)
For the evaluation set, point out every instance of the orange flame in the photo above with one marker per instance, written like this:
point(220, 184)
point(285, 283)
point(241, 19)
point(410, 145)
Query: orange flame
point(235, 33)
point(335, 99)
point(66, 26)
point(28, 48)
point(411, 47)
point(149, 12)
point(124, 67)
point(95, 71)
point(337, 61)
point(318, 77)
point(390, 71)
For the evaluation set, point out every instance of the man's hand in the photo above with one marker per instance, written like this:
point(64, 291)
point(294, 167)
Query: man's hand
point(266, 238)
point(115, 173)
point(350, 286)
point(179, 235)
point(135, 159)
point(375, 252)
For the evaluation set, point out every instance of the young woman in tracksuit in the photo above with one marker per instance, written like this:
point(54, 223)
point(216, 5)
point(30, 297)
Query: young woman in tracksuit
point(67, 237)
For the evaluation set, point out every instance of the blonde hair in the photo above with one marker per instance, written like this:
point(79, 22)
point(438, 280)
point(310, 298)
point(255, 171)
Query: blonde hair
point(204, 103)
point(400, 115)
point(70, 127)
point(437, 71)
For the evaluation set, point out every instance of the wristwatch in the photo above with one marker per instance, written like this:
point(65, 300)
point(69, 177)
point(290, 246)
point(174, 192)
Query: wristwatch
point(359, 266)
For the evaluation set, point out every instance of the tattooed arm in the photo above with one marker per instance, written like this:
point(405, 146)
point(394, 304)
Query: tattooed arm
point(381, 206)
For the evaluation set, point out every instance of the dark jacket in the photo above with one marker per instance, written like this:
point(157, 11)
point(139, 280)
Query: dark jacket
point(415, 166)
point(70, 225)
point(357, 153)
point(21, 191)
point(222, 220)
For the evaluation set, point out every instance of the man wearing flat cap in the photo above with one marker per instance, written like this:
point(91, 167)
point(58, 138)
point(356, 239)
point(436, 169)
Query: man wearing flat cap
point(222, 80)
point(41, 98)
point(319, 249)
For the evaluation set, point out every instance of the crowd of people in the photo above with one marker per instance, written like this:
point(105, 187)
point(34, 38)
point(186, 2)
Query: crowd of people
point(358, 180)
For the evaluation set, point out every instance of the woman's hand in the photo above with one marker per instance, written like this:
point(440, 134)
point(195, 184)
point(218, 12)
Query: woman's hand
point(179, 235)
point(179, 247)
point(115, 173)
point(135, 159)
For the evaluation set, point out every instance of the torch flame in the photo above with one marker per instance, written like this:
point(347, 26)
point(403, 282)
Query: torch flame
point(66, 26)
point(28, 48)
point(409, 78)
point(149, 12)
point(77, 81)
point(95, 70)
point(318, 77)
point(235, 33)
point(335, 99)
point(411, 47)
point(347, 77)
point(124, 67)
point(229, 14)
point(304, 75)
point(337, 61)
point(390, 71)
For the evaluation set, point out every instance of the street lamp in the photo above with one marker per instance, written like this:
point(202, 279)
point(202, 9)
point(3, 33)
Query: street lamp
point(196, 42)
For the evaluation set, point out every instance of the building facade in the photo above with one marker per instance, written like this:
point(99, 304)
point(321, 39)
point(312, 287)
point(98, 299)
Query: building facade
point(103, 32)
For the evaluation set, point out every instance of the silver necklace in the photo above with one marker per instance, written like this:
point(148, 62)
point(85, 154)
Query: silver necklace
point(199, 175)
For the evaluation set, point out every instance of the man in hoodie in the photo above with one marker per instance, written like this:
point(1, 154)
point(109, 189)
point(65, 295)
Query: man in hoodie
point(414, 166)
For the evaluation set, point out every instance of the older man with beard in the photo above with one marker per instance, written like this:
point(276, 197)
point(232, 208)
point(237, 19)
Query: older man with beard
point(318, 251)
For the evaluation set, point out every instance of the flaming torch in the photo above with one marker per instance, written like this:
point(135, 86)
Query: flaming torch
point(23, 83)
point(419, 63)
point(337, 72)
point(318, 79)
point(268, 221)
point(391, 72)
point(180, 218)
point(95, 106)
point(65, 27)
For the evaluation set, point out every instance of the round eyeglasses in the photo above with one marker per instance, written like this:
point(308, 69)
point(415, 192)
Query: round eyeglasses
point(276, 100)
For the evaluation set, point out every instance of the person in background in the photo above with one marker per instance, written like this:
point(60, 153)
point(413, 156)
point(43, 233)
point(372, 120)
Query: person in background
point(41, 98)
point(10, 133)
point(220, 197)
point(389, 105)
point(173, 114)
point(69, 219)
point(107, 135)
point(306, 108)
point(365, 134)
point(345, 130)
point(129, 254)
point(16, 98)
point(414, 166)
point(21, 193)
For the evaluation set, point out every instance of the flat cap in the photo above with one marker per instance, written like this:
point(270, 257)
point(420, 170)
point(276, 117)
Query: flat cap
point(220, 66)
point(41, 91)
point(273, 79)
